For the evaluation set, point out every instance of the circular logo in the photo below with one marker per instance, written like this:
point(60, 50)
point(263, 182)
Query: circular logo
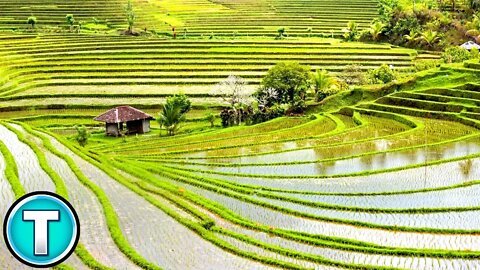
point(41, 229)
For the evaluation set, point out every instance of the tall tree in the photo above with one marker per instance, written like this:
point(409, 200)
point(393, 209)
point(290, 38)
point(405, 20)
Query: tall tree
point(233, 91)
point(130, 14)
point(290, 80)
point(32, 21)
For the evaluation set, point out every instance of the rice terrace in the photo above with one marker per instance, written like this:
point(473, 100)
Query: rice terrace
point(242, 134)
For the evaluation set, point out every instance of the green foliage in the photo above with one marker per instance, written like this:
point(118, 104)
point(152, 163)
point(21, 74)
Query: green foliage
point(421, 65)
point(70, 20)
point(82, 135)
point(351, 33)
point(267, 114)
point(474, 53)
point(181, 101)
point(383, 74)
point(386, 8)
point(324, 85)
point(210, 117)
point(455, 54)
point(429, 38)
point(289, 80)
point(353, 75)
point(376, 30)
point(32, 21)
point(170, 118)
point(281, 33)
point(130, 16)
point(411, 37)
point(473, 5)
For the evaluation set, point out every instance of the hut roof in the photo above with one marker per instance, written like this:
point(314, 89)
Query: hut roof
point(470, 45)
point(122, 114)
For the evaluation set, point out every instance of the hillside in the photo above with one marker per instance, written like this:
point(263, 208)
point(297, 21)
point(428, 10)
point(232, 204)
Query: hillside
point(377, 176)
point(360, 188)
point(197, 17)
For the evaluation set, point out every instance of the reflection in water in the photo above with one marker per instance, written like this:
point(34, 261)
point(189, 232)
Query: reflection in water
point(370, 162)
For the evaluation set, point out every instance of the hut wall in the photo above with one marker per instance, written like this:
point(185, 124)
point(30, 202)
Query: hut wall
point(111, 129)
point(146, 126)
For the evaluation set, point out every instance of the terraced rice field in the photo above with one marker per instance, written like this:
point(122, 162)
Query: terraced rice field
point(388, 183)
point(84, 71)
point(196, 17)
point(372, 186)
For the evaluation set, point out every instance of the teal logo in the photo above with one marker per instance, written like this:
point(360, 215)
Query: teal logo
point(41, 229)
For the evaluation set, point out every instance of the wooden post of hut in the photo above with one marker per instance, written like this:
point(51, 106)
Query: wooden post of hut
point(135, 121)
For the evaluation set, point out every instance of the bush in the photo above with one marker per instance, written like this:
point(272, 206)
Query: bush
point(298, 106)
point(353, 75)
point(180, 101)
point(426, 64)
point(268, 114)
point(32, 21)
point(455, 54)
point(82, 135)
point(235, 116)
point(383, 74)
point(474, 53)
point(351, 33)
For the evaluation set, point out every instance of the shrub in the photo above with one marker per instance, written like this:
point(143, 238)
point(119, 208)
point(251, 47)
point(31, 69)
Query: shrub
point(273, 112)
point(351, 33)
point(426, 64)
point(353, 75)
point(82, 135)
point(298, 106)
point(455, 54)
point(32, 21)
point(228, 117)
point(281, 33)
point(383, 74)
point(474, 53)
point(211, 119)
point(181, 101)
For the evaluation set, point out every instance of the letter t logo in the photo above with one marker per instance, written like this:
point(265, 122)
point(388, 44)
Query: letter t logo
point(40, 228)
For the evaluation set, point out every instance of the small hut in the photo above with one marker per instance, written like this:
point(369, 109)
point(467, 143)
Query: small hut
point(135, 121)
point(469, 45)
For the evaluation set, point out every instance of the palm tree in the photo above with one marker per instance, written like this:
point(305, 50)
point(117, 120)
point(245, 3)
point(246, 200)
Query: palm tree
point(376, 29)
point(429, 37)
point(170, 118)
point(411, 37)
point(322, 82)
point(351, 32)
